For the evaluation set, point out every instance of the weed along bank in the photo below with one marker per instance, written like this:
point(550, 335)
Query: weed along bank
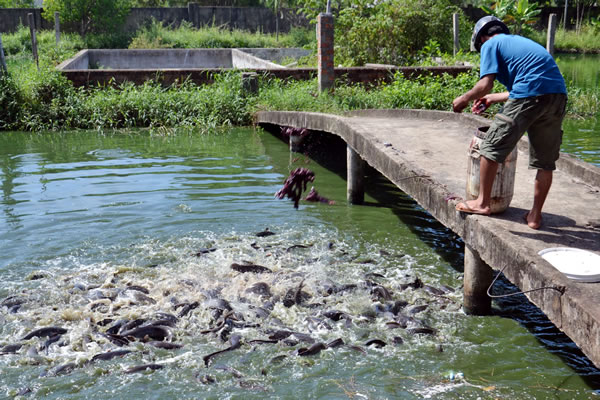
point(411, 148)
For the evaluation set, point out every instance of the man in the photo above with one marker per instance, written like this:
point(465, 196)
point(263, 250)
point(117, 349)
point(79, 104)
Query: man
point(535, 102)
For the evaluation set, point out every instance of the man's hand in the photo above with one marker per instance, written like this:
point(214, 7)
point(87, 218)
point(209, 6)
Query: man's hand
point(460, 103)
point(479, 106)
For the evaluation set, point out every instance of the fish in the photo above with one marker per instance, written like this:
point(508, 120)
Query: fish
point(144, 367)
point(298, 296)
point(421, 331)
point(148, 332)
point(12, 301)
point(312, 350)
point(205, 251)
point(253, 268)
point(187, 308)
point(375, 342)
point(335, 315)
point(434, 291)
point(265, 233)
point(260, 288)
point(335, 343)
point(48, 331)
point(60, 370)
point(110, 355)
point(10, 348)
point(235, 342)
point(417, 309)
point(165, 345)
point(51, 339)
point(132, 324)
point(138, 288)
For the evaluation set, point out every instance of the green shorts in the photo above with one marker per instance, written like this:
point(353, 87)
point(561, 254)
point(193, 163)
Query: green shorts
point(541, 116)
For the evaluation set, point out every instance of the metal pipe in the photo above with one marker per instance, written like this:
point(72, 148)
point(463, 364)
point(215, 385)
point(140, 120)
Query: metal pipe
point(328, 6)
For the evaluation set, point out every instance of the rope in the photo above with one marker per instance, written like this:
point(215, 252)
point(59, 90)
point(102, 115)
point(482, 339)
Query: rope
point(558, 289)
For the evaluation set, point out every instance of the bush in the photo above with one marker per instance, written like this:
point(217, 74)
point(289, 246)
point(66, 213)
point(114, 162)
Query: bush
point(10, 102)
point(393, 32)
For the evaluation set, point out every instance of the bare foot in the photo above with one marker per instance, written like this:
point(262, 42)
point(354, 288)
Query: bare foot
point(472, 207)
point(533, 220)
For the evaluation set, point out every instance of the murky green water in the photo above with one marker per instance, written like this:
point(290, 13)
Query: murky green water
point(582, 137)
point(86, 216)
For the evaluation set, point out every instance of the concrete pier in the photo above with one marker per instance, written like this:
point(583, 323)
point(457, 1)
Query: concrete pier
point(424, 153)
point(477, 279)
point(355, 177)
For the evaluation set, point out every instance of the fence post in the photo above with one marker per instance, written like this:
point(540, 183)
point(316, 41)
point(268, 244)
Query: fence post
point(551, 34)
point(455, 30)
point(33, 39)
point(57, 26)
point(325, 52)
point(3, 68)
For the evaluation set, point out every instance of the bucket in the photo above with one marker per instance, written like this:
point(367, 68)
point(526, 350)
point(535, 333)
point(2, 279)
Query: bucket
point(504, 183)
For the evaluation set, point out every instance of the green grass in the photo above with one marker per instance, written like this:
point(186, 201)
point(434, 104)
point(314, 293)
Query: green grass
point(586, 41)
point(35, 100)
point(156, 35)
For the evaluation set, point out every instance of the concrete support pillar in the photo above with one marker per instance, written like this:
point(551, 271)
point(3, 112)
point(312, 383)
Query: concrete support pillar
point(355, 176)
point(477, 279)
point(57, 26)
point(325, 52)
point(551, 33)
point(455, 30)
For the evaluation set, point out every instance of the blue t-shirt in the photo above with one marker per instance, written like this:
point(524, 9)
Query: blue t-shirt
point(522, 65)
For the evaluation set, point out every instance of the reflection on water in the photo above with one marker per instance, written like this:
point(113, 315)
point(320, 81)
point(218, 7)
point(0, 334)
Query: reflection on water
point(102, 231)
point(582, 137)
point(580, 70)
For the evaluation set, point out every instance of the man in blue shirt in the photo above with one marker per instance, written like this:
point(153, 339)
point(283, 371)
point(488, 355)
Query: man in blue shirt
point(535, 102)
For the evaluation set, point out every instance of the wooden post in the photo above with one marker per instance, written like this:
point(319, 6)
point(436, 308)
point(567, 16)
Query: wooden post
point(455, 30)
point(249, 83)
point(551, 34)
point(57, 26)
point(3, 68)
point(477, 279)
point(33, 39)
point(355, 177)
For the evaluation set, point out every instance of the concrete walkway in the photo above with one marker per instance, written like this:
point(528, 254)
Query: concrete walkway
point(425, 154)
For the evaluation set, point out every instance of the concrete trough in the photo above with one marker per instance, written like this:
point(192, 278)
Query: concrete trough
point(135, 59)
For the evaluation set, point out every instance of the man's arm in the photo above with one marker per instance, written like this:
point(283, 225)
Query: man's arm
point(482, 87)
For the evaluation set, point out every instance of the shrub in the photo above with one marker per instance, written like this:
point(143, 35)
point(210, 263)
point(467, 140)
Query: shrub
point(392, 32)
point(10, 102)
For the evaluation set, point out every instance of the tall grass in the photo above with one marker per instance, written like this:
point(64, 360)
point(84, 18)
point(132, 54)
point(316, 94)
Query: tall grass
point(45, 100)
point(156, 35)
point(586, 41)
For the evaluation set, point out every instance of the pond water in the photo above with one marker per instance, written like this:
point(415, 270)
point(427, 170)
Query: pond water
point(97, 229)
point(582, 137)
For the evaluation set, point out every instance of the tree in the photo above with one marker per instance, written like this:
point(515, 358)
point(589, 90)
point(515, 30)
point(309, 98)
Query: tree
point(393, 31)
point(89, 15)
point(16, 4)
point(517, 14)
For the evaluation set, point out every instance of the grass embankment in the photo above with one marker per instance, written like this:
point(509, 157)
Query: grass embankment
point(570, 41)
point(35, 100)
